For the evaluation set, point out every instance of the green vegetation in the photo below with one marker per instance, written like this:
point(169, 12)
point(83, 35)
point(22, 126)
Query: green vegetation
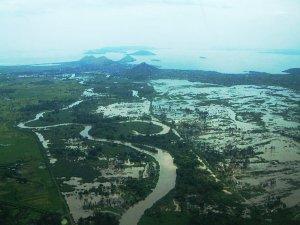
point(109, 177)
point(25, 180)
point(99, 218)
point(124, 131)
point(166, 218)
point(27, 185)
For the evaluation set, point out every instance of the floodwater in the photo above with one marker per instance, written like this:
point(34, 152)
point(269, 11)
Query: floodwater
point(166, 181)
point(227, 61)
point(167, 168)
point(243, 116)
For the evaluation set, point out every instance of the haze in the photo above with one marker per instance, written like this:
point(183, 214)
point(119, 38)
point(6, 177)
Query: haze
point(37, 26)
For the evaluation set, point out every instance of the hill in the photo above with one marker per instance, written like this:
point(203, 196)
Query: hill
point(295, 71)
point(143, 53)
point(127, 59)
point(142, 71)
point(85, 64)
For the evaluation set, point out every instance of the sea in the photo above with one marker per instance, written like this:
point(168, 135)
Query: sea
point(224, 60)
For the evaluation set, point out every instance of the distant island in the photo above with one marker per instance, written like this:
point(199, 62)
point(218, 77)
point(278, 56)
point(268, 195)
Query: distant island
point(282, 51)
point(292, 71)
point(127, 59)
point(117, 49)
point(144, 71)
point(143, 53)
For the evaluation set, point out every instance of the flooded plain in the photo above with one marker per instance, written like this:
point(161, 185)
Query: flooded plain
point(263, 118)
point(166, 180)
point(83, 196)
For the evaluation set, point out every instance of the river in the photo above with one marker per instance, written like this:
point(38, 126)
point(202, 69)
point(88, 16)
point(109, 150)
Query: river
point(167, 169)
point(166, 180)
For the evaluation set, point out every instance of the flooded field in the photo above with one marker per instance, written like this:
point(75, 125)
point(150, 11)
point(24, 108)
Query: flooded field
point(161, 147)
point(135, 109)
point(111, 173)
point(262, 119)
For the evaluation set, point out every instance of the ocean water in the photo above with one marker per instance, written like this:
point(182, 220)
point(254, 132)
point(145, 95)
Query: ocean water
point(41, 57)
point(226, 61)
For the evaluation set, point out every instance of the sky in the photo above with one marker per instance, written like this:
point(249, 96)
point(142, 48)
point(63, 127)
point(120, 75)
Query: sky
point(78, 25)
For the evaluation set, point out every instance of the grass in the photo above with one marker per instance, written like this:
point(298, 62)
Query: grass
point(142, 127)
point(39, 191)
point(166, 218)
point(52, 118)
point(26, 183)
point(121, 130)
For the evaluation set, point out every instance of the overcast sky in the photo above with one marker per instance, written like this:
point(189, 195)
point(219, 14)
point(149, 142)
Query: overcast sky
point(43, 25)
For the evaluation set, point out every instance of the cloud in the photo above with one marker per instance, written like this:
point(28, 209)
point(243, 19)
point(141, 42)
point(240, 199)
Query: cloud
point(86, 24)
point(23, 7)
point(35, 6)
point(27, 7)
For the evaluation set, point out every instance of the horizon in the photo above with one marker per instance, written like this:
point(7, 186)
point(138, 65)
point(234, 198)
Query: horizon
point(74, 27)
point(260, 36)
point(143, 112)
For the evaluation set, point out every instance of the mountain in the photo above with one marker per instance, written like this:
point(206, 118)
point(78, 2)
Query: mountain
point(127, 59)
point(85, 64)
point(295, 71)
point(143, 53)
point(88, 58)
point(101, 64)
point(94, 60)
point(142, 71)
point(116, 49)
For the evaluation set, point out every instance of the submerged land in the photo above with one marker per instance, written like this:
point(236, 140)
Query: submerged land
point(97, 141)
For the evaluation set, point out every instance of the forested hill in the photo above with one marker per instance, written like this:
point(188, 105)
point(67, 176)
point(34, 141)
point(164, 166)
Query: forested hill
point(291, 80)
point(144, 71)
point(86, 64)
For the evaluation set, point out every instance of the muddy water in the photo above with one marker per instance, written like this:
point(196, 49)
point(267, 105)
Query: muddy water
point(37, 117)
point(41, 114)
point(166, 181)
point(167, 169)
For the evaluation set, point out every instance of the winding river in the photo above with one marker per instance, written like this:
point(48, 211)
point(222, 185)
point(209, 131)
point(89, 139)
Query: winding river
point(166, 180)
point(167, 168)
